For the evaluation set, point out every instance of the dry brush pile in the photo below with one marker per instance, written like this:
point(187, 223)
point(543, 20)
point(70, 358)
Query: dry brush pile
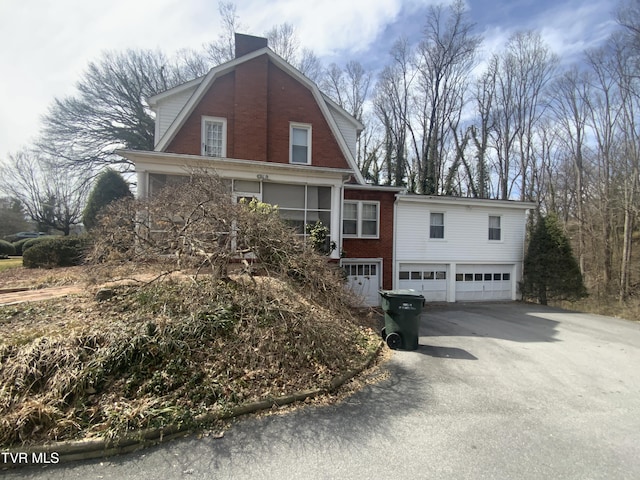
point(163, 352)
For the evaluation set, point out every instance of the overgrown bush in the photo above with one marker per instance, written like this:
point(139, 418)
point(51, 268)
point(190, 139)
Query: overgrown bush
point(164, 352)
point(55, 252)
point(7, 248)
point(202, 228)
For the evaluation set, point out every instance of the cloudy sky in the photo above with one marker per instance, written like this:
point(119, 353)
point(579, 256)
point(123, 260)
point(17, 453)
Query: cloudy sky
point(45, 45)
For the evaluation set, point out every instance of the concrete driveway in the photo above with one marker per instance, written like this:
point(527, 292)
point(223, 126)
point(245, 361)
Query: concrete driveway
point(504, 391)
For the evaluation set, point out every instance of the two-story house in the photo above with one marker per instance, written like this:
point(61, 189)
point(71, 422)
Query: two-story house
point(273, 135)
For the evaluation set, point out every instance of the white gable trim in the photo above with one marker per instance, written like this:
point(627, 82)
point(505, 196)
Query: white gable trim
point(153, 101)
point(207, 81)
point(351, 119)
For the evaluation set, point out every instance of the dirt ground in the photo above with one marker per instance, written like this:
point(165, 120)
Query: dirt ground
point(18, 285)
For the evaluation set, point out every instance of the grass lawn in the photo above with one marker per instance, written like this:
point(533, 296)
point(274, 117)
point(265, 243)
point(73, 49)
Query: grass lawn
point(10, 263)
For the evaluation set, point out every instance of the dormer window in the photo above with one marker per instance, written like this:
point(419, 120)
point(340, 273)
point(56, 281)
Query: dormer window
point(214, 137)
point(300, 144)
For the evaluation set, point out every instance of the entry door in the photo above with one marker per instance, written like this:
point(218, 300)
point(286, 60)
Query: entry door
point(364, 281)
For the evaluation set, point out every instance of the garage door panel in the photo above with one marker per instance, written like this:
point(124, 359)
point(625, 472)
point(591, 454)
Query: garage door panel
point(363, 279)
point(428, 279)
point(483, 282)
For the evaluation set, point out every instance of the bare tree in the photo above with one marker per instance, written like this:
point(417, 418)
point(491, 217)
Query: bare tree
point(109, 110)
point(523, 70)
point(50, 194)
point(284, 41)
point(628, 17)
point(391, 105)
point(604, 111)
point(570, 106)
point(223, 49)
point(484, 97)
point(628, 77)
point(444, 61)
point(348, 87)
point(310, 65)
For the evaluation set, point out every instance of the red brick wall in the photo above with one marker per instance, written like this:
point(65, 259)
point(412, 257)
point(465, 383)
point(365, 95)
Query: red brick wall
point(290, 101)
point(374, 248)
point(259, 101)
point(250, 133)
point(217, 102)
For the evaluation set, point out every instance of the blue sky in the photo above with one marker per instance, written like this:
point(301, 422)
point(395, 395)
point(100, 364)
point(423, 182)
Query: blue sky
point(45, 45)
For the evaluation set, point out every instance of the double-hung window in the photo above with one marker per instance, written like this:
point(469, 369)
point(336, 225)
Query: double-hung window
point(361, 219)
point(494, 227)
point(300, 144)
point(436, 225)
point(214, 137)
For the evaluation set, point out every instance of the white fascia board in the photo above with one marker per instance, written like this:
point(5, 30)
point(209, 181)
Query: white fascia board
point(350, 118)
point(153, 101)
point(464, 201)
point(182, 162)
point(375, 188)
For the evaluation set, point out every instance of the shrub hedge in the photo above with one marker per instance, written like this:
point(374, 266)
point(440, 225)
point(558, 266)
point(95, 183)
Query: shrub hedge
point(19, 245)
point(30, 242)
point(7, 248)
point(55, 252)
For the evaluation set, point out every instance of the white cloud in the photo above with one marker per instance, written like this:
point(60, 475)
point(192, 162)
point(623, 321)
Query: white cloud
point(327, 26)
point(571, 29)
point(45, 48)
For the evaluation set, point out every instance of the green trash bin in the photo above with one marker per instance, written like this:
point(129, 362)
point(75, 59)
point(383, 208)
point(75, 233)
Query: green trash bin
point(402, 310)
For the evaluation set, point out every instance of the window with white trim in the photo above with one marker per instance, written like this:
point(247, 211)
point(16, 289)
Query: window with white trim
point(214, 137)
point(436, 225)
point(361, 219)
point(494, 227)
point(300, 144)
point(300, 205)
point(350, 219)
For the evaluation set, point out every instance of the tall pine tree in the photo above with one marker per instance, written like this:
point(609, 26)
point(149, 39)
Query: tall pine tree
point(551, 271)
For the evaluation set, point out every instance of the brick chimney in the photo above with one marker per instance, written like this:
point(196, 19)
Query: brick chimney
point(248, 43)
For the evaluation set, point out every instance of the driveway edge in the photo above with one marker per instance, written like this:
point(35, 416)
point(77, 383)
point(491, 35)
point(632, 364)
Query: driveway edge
point(70, 451)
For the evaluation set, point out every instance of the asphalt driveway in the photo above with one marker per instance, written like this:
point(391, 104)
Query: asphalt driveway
point(505, 391)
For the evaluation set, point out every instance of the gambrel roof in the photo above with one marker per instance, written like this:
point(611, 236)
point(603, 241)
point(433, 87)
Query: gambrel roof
point(194, 91)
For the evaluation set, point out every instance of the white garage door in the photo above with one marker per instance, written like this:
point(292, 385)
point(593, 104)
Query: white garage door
point(364, 281)
point(484, 282)
point(428, 279)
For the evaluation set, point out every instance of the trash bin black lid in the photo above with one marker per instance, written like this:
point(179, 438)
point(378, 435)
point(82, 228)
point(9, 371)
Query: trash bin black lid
point(400, 293)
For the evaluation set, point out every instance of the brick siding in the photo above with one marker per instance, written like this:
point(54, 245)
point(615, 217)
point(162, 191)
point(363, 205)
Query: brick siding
point(374, 248)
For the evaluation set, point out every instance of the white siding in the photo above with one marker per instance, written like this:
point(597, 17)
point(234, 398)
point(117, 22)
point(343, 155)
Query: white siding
point(347, 130)
point(465, 248)
point(466, 238)
point(168, 109)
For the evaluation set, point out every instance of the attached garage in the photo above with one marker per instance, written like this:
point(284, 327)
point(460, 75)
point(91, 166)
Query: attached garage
point(459, 249)
point(428, 279)
point(484, 282)
point(364, 279)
